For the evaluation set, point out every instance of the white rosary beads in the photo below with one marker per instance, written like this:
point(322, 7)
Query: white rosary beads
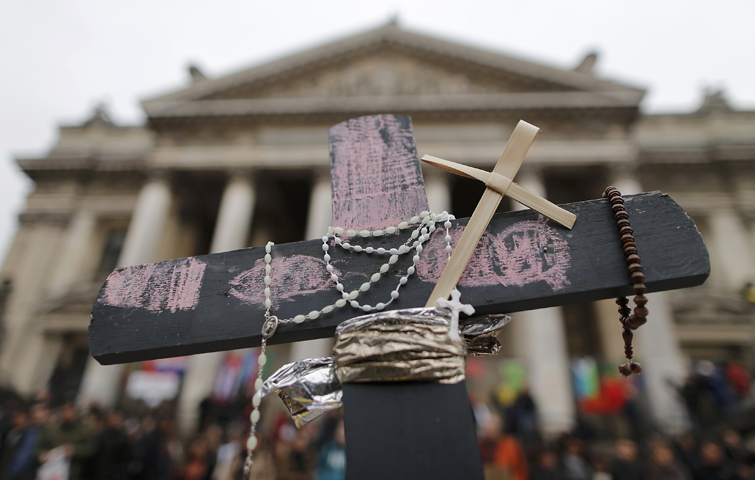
point(425, 222)
point(418, 237)
point(426, 225)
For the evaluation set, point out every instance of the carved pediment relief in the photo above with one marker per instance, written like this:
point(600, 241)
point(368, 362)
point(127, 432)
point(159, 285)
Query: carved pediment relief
point(382, 74)
point(701, 305)
point(384, 62)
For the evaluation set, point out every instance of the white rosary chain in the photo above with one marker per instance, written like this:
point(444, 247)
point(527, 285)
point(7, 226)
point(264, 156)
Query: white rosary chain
point(426, 225)
point(425, 222)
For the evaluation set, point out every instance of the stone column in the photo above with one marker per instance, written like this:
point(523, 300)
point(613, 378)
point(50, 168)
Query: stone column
point(38, 245)
point(438, 188)
point(147, 223)
point(320, 214)
point(76, 249)
point(609, 329)
point(541, 338)
point(729, 239)
point(235, 214)
point(77, 246)
point(100, 383)
point(656, 345)
point(320, 217)
point(231, 232)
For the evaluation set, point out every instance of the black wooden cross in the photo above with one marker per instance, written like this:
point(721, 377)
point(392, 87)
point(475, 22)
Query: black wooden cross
point(215, 302)
point(523, 262)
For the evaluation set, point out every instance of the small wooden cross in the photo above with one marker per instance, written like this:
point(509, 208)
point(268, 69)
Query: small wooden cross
point(499, 182)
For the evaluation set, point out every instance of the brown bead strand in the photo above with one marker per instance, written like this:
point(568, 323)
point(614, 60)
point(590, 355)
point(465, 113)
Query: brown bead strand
point(630, 321)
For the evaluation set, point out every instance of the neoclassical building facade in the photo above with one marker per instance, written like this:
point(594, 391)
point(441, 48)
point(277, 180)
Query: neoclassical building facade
point(237, 161)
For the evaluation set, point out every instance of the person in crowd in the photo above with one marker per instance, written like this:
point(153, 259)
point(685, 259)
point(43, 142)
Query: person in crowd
point(213, 437)
point(522, 416)
point(576, 464)
point(749, 446)
point(18, 460)
point(733, 446)
point(264, 464)
point(601, 469)
point(196, 466)
point(713, 463)
point(150, 459)
point(738, 378)
point(296, 459)
point(6, 419)
point(23, 461)
point(489, 433)
point(174, 445)
point(226, 453)
point(501, 453)
point(745, 472)
point(331, 459)
point(699, 393)
point(546, 466)
point(716, 384)
point(664, 465)
point(94, 419)
point(481, 412)
point(626, 465)
point(686, 446)
point(112, 452)
point(71, 435)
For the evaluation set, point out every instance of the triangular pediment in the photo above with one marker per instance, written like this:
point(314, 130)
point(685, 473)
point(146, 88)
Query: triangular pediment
point(385, 71)
point(388, 62)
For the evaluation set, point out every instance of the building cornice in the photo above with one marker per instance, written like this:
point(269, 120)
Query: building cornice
point(699, 155)
point(45, 217)
point(33, 166)
point(487, 102)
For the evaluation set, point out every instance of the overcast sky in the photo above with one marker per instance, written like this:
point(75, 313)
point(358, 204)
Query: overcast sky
point(59, 58)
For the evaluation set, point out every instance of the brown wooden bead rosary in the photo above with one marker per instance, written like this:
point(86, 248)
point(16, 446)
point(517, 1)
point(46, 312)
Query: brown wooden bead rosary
point(630, 321)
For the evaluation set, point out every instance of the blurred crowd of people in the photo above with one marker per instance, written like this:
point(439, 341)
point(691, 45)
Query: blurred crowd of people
point(109, 445)
point(719, 443)
point(97, 444)
point(720, 455)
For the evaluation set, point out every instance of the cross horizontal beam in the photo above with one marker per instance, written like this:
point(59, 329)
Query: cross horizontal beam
point(523, 262)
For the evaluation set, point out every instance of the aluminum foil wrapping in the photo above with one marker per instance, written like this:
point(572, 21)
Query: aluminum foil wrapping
point(399, 345)
point(481, 334)
point(308, 388)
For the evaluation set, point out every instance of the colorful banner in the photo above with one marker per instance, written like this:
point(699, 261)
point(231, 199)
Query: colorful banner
point(585, 377)
point(513, 375)
point(600, 390)
point(153, 387)
point(176, 365)
point(239, 368)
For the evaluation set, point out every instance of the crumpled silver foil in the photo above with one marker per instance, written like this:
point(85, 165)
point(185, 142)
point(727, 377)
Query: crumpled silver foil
point(308, 388)
point(481, 334)
point(398, 345)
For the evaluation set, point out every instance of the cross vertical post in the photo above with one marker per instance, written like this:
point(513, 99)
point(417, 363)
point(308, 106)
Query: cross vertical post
point(399, 430)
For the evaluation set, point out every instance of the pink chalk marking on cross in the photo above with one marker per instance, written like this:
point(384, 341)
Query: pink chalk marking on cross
point(291, 276)
point(527, 252)
point(376, 178)
point(376, 182)
point(155, 287)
